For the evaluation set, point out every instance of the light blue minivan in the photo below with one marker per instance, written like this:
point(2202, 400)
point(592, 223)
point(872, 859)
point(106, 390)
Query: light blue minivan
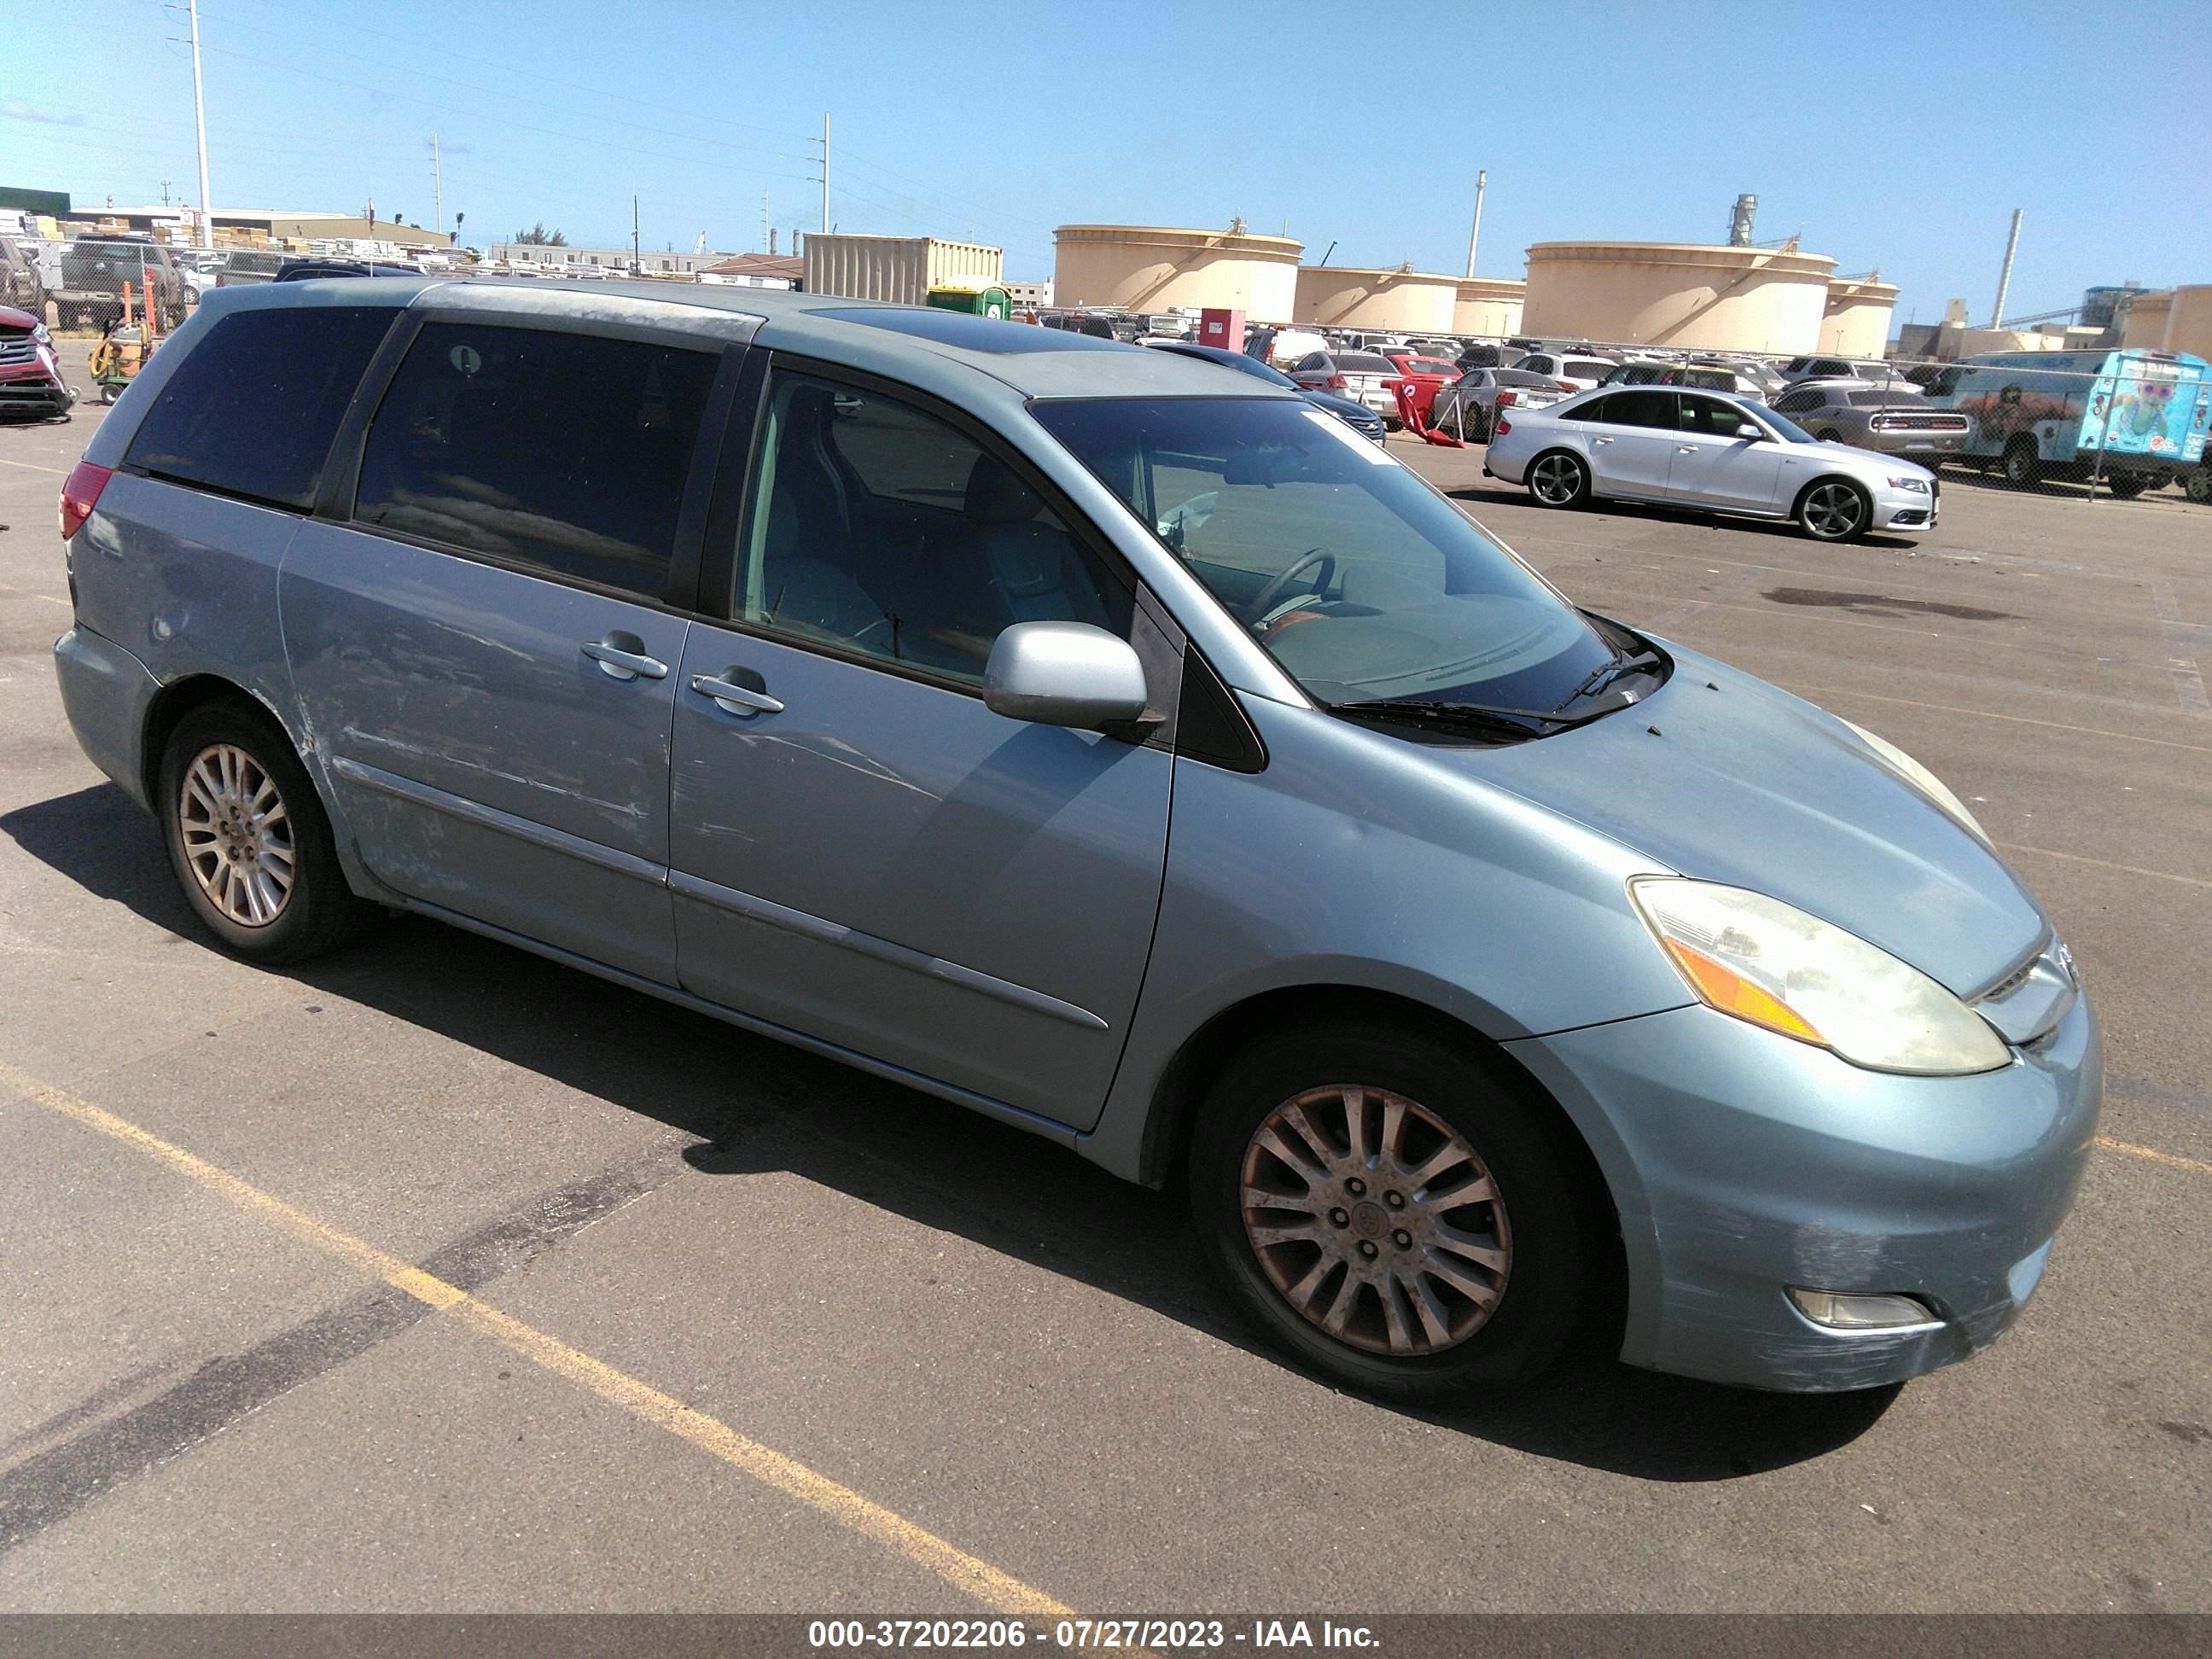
point(1120, 748)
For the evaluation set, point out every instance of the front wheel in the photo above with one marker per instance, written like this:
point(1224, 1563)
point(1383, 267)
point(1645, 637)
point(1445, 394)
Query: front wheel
point(1559, 478)
point(2022, 466)
point(1834, 510)
point(2197, 485)
point(1404, 1215)
point(248, 840)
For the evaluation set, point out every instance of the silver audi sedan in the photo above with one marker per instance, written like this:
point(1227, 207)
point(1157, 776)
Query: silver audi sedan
point(1708, 452)
point(1122, 749)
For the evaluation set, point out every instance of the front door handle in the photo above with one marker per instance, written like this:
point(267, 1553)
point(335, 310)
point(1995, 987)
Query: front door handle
point(1689, 449)
point(622, 657)
point(741, 700)
point(1600, 440)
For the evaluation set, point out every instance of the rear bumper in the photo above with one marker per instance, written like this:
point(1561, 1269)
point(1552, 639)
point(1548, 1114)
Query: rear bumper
point(1742, 1163)
point(106, 693)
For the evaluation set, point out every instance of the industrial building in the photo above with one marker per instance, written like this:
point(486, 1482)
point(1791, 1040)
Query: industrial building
point(1160, 267)
point(1714, 297)
point(267, 226)
point(562, 258)
point(899, 269)
point(1401, 299)
point(782, 271)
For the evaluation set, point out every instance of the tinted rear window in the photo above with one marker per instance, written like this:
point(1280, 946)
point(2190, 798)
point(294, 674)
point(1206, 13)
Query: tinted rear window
point(252, 411)
point(1365, 362)
point(564, 451)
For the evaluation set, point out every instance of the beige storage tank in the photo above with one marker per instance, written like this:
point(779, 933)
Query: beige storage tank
point(1715, 298)
point(899, 269)
point(1159, 267)
point(1488, 305)
point(2174, 319)
point(1857, 321)
point(1402, 300)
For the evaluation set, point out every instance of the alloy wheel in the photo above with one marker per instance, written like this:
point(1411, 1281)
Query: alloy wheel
point(1833, 511)
point(236, 835)
point(1375, 1220)
point(1558, 479)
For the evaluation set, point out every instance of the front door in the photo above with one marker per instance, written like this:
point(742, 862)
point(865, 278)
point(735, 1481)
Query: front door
point(862, 851)
point(485, 655)
point(1714, 467)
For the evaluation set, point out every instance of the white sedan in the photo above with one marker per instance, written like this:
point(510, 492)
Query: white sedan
point(1711, 451)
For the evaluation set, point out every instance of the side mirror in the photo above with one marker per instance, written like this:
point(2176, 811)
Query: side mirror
point(1063, 673)
point(1748, 430)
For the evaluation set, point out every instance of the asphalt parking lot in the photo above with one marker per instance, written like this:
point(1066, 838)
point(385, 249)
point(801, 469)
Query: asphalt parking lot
point(436, 1277)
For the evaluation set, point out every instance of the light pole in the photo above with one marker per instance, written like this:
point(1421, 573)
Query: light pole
point(199, 123)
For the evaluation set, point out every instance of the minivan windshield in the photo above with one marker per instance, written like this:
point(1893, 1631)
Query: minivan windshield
point(1364, 583)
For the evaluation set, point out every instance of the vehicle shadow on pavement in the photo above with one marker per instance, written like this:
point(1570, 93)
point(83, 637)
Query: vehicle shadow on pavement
point(1505, 502)
point(757, 1105)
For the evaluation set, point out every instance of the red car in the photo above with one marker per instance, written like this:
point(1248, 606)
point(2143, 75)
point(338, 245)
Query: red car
point(30, 380)
point(1426, 375)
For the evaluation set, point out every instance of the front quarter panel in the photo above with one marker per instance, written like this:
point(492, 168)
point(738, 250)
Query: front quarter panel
point(1351, 861)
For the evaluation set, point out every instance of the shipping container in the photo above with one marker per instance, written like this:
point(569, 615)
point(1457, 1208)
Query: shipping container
point(899, 269)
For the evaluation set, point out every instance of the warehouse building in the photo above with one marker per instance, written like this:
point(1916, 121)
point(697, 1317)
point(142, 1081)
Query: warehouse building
point(1166, 267)
point(666, 262)
point(2171, 319)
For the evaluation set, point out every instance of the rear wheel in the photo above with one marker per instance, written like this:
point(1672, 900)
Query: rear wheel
point(1404, 1213)
point(1834, 510)
point(1560, 478)
point(2197, 485)
point(2126, 486)
point(2022, 466)
point(248, 840)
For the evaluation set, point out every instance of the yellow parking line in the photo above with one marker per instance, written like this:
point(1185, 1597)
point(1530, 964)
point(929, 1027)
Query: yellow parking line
point(27, 594)
point(1987, 714)
point(32, 466)
point(2155, 1155)
point(1000, 1591)
point(2102, 864)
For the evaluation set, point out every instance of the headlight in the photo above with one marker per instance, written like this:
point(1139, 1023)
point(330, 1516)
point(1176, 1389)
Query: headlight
point(1920, 778)
point(1919, 485)
point(1770, 963)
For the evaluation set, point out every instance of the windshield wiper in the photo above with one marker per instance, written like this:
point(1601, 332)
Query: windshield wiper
point(1605, 673)
point(1469, 716)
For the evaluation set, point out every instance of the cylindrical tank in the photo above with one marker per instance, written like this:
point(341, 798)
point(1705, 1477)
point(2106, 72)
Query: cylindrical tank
point(1677, 294)
point(2174, 319)
point(1347, 296)
point(1156, 267)
point(1488, 305)
point(1857, 321)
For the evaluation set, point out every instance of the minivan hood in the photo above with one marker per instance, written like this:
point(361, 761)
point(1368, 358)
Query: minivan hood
point(1722, 776)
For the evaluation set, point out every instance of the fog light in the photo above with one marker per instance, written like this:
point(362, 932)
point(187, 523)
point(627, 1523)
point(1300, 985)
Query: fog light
point(1841, 1311)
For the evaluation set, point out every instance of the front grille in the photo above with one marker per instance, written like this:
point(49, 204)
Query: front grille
point(15, 350)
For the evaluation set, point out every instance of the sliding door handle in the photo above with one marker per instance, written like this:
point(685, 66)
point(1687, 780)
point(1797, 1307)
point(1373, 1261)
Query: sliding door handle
point(622, 657)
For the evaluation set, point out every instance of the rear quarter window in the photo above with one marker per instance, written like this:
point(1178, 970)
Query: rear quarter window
point(252, 411)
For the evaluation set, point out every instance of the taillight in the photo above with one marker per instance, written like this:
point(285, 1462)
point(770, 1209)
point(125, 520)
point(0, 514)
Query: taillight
point(1505, 397)
point(1500, 429)
point(80, 494)
point(1338, 383)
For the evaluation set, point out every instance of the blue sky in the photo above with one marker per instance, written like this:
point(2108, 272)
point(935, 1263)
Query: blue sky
point(1361, 127)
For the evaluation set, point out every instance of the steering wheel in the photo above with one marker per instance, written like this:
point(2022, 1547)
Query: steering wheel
point(1256, 612)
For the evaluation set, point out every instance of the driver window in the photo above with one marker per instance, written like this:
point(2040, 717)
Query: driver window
point(1709, 417)
point(878, 528)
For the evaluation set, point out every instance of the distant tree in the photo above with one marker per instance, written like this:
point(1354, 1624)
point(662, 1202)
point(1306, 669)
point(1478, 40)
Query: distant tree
point(538, 236)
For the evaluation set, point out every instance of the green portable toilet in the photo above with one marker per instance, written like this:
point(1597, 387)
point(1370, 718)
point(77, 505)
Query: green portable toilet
point(980, 301)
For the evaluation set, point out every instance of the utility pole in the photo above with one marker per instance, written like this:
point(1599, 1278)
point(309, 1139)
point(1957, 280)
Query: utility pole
point(768, 236)
point(825, 172)
point(2005, 276)
point(165, 192)
point(636, 253)
point(437, 181)
point(1474, 236)
point(199, 126)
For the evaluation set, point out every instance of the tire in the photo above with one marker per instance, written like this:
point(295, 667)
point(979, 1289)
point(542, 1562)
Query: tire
point(1546, 1225)
point(106, 392)
point(2197, 485)
point(2022, 467)
point(231, 752)
point(2126, 486)
point(1834, 510)
point(1560, 478)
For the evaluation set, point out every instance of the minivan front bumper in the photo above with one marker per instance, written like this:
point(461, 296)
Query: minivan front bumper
point(1744, 1165)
